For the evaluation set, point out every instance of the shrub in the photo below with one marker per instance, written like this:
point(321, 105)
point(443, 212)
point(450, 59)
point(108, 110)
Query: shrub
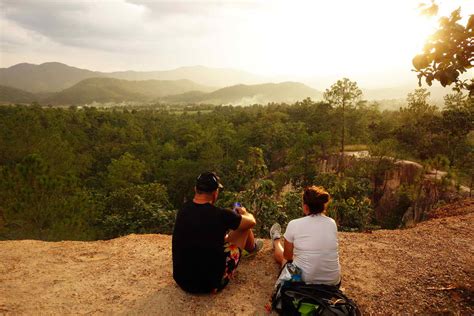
point(36, 204)
point(350, 206)
point(137, 209)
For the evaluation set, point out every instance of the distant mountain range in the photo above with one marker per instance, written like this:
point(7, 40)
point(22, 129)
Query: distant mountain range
point(116, 90)
point(104, 90)
point(57, 83)
point(215, 77)
point(54, 77)
point(47, 77)
point(250, 94)
point(13, 95)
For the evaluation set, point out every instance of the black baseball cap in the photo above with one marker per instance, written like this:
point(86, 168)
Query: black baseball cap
point(208, 182)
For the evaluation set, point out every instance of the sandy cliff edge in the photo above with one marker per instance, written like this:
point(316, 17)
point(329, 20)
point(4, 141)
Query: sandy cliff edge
point(425, 269)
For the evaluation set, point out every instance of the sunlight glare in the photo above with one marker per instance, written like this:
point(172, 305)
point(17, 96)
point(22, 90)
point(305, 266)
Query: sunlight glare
point(350, 35)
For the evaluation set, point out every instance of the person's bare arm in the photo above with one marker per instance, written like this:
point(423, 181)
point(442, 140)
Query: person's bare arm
point(248, 220)
point(288, 250)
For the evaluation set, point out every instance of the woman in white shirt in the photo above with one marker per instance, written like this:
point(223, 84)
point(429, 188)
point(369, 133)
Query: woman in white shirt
point(310, 242)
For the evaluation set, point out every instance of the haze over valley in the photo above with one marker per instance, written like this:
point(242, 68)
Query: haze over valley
point(67, 85)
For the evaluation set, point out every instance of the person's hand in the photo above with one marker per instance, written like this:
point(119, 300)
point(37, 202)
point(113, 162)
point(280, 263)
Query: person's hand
point(241, 210)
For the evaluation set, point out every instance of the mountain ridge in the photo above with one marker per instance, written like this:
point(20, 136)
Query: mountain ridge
point(31, 77)
point(218, 77)
point(118, 90)
point(243, 94)
point(14, 95)
point(105, 90)
point(46, 77)
point(55, 77)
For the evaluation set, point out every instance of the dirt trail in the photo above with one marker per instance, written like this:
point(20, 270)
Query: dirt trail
point(422, 270)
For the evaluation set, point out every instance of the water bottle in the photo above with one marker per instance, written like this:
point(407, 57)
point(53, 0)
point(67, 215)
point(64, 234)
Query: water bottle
point(295, 272)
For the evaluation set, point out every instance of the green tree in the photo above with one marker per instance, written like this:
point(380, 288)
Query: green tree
point(252, 168)
point(301, 157)
point(137, 209)
point(382, 161)
point(448, 52)
point(457, 100)
point(418, 104)
point(125, 171)
point(259, 198)
point(343, 94)
point(416, 131)
point(469, 170)
point(350, 206)
point(438, 163)
point(38, 205)
point(179, 177)
point(457, 120)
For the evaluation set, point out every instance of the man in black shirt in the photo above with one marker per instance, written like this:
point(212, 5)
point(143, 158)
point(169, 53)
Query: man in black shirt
point(204, 255)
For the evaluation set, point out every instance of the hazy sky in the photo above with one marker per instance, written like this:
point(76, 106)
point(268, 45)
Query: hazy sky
point(367, 40)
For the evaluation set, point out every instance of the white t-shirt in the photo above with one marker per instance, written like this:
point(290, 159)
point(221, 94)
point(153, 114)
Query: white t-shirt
point(315, 248)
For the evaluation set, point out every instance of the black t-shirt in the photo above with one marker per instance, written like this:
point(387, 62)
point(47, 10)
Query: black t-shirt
point(198, 240)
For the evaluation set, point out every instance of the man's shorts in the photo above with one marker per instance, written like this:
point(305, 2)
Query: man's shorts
point(232, 259)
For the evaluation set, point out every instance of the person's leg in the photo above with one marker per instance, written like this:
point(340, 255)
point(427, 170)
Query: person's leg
point(275, 235)
point(278, 252)
point(250, 243)
point(232, 259)
point(244, 239)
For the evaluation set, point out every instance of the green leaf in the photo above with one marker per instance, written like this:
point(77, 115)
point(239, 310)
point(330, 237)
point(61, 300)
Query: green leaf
point(470, 23)
point(420, 62)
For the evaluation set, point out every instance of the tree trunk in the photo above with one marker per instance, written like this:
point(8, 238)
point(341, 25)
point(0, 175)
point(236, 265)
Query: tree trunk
point(342, 166)
point(305, 168)
point(417, 208)
point(343, 126)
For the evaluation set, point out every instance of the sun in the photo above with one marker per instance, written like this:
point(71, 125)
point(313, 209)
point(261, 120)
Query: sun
point(337, 37)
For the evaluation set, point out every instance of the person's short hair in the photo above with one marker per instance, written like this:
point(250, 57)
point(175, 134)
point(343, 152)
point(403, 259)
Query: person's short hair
point(316, 198)
point(208, 182)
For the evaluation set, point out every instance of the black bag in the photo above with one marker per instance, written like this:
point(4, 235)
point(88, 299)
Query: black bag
point(299, 298)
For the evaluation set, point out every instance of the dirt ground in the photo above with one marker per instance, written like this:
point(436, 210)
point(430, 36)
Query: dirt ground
point(423, 270)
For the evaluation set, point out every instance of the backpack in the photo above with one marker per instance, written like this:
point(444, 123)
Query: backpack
point(299, 298)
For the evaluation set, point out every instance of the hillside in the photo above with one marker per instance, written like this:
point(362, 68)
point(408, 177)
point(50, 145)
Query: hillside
point(241, 87)
point(116, 90)
point(218, 77)
point(175, 91)
point(13, 95)
point(251, 94)
point(54, 76)
point(424, 270)
point(47, 77)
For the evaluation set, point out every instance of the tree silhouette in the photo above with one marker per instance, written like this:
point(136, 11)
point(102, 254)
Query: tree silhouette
point(448, 52)
point(344, 93)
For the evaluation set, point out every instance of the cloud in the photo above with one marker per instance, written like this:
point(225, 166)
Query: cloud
point(138, 33)
point(97, 24)
point(278, 37)
point(122, 25)
point(197, 8)
point(176, 8)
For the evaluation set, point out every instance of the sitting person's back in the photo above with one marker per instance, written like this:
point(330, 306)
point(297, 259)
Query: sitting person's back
point(315, 250)
point(310, 242)
point(198, 256)
point(204, 255)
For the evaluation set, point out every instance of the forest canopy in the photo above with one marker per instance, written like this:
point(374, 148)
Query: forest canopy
point(69, 173)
